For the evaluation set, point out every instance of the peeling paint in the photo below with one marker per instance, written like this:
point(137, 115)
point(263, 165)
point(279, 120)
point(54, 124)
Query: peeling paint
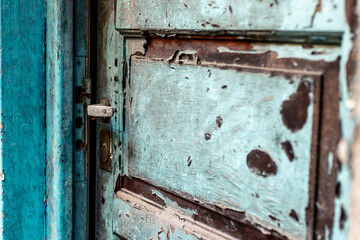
point(260, 163)
point(167, 82)
point(174, 205)
point(294, 111)
point(294, 22)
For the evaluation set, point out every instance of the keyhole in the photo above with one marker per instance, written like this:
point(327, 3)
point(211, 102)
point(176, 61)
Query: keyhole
point(104, 153)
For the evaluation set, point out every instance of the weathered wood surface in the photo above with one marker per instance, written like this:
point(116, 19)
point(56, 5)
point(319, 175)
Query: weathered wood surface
point(137, 218)
point(290, 15)
point(221, 136)
point(292, 21)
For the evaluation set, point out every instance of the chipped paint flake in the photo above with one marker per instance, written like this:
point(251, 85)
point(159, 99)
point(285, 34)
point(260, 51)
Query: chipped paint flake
point(342, 151)
point(330, 163)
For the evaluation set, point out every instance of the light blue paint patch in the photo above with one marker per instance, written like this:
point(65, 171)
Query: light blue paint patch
point(330, 163)
point(327, 233)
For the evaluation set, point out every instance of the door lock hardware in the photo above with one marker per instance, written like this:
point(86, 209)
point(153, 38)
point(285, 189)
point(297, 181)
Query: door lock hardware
point(105, 149)
point(102, 110)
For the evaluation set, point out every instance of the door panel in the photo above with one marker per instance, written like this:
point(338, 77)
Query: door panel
point(221, 136)
point(224, 132)
point(216, 129)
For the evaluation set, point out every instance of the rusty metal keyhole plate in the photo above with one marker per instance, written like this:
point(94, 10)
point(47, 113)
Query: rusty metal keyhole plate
point(105, 150)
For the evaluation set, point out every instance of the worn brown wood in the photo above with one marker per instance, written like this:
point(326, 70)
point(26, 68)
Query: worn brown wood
point(330, 133)
point(226, 220)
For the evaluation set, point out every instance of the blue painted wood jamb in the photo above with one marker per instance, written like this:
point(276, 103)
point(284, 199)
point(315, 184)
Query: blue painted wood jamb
point(22, 119)
point(59, 119)
point(80, 139)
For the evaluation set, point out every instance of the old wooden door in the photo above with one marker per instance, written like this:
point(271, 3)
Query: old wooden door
point(221, 111)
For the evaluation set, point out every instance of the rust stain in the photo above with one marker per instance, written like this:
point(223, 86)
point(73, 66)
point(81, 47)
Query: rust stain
point(294, 110)
point(260, 163)
point(288, 149)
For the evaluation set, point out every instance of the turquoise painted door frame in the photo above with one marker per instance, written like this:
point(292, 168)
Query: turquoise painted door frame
point(22, 106)
point(66, 76)
point(42, 180)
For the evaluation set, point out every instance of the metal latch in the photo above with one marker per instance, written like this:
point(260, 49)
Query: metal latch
point(102, 110)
